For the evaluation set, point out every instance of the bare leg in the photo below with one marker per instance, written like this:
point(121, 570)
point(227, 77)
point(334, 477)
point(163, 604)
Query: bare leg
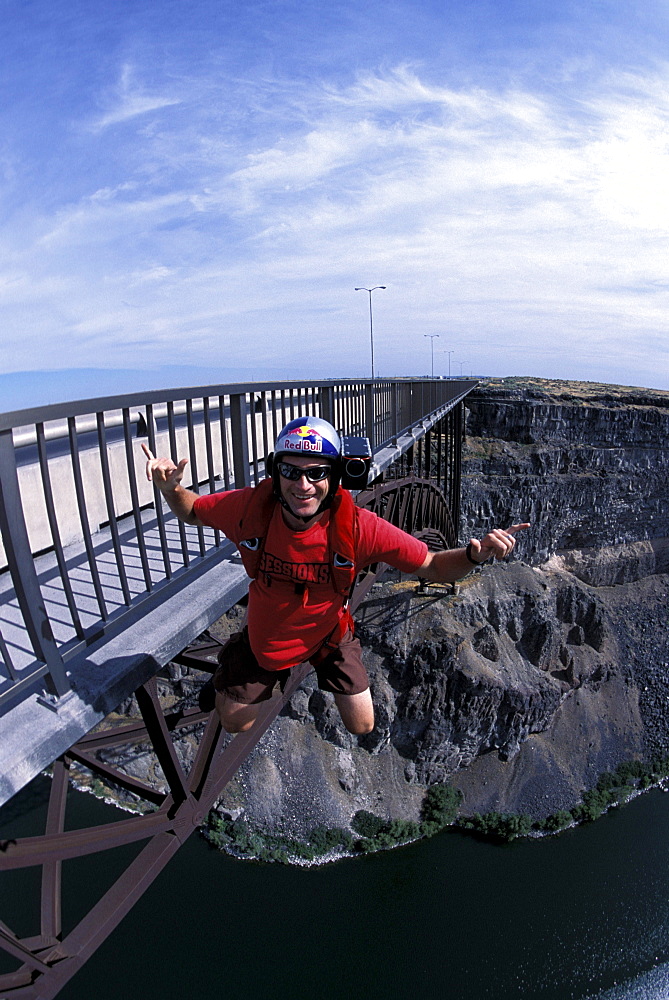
point(235, 716)
point(357, 711)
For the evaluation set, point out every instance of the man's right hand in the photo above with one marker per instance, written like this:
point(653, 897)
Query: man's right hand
point(163, 472)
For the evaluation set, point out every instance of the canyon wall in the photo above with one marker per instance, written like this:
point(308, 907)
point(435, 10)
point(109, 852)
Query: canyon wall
point(540, 672)
point(587, 466)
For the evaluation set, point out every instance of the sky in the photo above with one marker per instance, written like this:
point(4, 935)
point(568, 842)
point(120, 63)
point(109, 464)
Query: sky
point(191, 192)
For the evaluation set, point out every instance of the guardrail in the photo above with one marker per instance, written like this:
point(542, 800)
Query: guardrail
point(85, 539)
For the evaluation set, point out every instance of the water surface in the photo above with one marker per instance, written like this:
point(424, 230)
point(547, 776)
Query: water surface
point(584, 914)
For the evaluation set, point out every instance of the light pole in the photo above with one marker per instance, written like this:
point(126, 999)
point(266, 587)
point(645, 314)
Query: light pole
point(432, 336)
point(449, 361)
point(461, 363)
point(371, 326)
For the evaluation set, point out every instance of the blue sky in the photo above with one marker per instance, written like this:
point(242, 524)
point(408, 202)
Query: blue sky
point(204, 184)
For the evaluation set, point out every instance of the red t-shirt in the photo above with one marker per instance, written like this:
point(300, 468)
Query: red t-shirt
point(287, 627)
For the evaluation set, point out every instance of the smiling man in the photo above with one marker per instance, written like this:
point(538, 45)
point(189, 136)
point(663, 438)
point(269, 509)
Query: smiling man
point(302, 541)
point(304, 484)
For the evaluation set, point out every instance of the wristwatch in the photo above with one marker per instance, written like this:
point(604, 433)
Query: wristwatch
point(468, 553)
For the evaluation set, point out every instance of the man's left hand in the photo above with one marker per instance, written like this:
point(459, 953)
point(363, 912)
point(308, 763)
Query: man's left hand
point(498, 543)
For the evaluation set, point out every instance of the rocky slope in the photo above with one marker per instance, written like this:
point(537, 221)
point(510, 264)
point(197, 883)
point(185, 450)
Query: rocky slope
point(541, 672)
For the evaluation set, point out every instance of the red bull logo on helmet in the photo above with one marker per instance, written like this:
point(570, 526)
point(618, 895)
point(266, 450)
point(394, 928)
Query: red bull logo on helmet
point(303, 438)
point(309, 434)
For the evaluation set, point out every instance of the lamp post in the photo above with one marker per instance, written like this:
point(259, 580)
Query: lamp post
point(432, 336)
point(371, 325)
point(449, 361)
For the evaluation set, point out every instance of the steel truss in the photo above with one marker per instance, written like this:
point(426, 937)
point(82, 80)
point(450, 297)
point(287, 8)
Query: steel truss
point(48, 960)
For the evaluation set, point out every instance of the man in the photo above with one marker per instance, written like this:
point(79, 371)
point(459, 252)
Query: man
point(302, 542)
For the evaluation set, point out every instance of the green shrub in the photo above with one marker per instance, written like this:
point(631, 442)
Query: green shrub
point(403, 830)
point(378, 834)
point(591, 807)
point(440, 805)
point(499, 826)
point(324, 839)
point(660, 767)
point(606, 781)
point(557, 820)
point(439, 810)
point(237, 836)
point(634, 769)
point(367, 824)
point(217, 831)
point(624, 793)
point(380, 842)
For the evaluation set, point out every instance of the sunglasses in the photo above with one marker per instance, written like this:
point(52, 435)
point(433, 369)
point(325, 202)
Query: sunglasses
point(315, 475)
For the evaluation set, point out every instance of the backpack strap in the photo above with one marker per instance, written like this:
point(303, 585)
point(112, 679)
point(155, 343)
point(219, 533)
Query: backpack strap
point(254, 524)
point(343, 541)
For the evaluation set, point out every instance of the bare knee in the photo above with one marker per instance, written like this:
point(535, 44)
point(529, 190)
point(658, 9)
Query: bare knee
point(357, 712)
point(235, 717)
point(359, 728)
point(235, 726)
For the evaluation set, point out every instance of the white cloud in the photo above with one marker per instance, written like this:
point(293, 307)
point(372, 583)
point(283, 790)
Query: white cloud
point(96, 220)
point(152, 274)
point(512, 156)
point(509, 211)
point(128, 100)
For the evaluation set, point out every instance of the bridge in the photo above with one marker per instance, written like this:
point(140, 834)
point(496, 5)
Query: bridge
point(101, 587)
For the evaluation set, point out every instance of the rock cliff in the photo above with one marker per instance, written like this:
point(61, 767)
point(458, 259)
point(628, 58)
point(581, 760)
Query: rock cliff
point(587, 465)
point(539, 673)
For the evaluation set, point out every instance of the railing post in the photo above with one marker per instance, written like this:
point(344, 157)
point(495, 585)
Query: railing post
point(327, 403)
point(457, 485)
point(22, 570)
point(370, 422)
point(240, 440)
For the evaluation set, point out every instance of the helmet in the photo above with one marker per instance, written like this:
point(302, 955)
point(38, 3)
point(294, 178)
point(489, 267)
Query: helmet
point(308, 436)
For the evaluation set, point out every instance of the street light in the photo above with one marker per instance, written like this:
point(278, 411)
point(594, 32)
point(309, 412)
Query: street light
point(432, 336)
point(371, 327)
point(449, 360)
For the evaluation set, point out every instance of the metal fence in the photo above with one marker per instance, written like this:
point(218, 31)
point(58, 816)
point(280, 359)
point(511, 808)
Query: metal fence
point(85, 538)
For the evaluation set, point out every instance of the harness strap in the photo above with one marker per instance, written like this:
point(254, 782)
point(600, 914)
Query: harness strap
point(344, 625)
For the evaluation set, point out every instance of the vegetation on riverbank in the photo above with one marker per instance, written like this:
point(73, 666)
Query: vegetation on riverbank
point(370, 833)
point(440, 807)
point(613, 788)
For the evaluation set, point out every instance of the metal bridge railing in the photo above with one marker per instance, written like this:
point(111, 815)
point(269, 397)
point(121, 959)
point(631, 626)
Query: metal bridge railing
point(85, 538)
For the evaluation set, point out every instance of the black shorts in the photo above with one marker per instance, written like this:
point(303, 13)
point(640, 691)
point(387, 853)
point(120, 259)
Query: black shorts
point(242, 679)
